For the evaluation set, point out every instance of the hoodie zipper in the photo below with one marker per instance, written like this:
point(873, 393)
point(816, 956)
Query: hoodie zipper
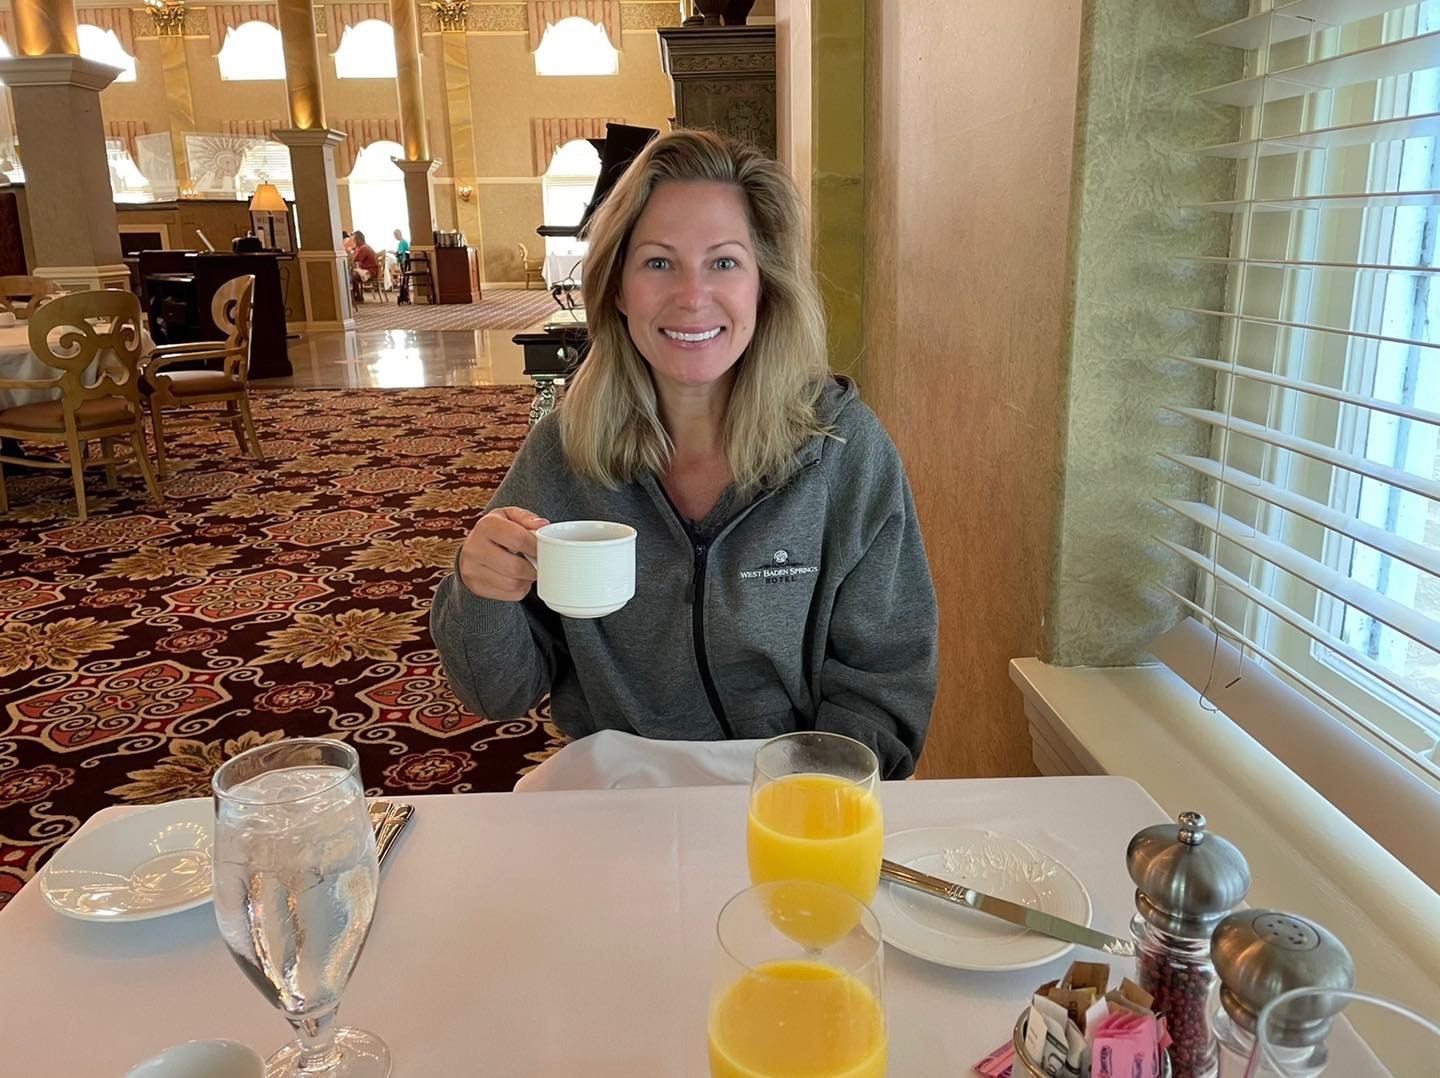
point(696, 597)
point(697, 622)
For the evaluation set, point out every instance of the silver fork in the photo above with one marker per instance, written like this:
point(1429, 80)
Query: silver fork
point(388, 818)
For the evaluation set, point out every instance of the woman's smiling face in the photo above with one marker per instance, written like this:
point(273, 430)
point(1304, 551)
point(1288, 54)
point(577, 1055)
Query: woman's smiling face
point(690, 285)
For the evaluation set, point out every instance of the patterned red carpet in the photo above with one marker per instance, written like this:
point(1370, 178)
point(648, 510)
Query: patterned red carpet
point(142, 648)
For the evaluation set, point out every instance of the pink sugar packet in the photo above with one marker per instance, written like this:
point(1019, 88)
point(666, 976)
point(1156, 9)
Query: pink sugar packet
point(1126, 1046)
point(998, 1063)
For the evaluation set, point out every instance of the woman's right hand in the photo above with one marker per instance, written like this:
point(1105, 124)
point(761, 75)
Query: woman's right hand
point(494, 559)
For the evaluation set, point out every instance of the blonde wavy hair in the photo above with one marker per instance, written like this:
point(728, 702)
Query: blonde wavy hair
point(609, 421)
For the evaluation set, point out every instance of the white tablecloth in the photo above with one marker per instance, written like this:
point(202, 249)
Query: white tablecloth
point(560, 934)
point(17, 361)
point(562, 267)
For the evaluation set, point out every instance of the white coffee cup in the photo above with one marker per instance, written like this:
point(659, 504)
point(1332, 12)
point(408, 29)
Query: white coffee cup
point(202, 1059)
point(585, 568)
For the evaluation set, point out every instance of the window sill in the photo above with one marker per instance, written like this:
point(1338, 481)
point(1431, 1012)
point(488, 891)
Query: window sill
point(1305, 855)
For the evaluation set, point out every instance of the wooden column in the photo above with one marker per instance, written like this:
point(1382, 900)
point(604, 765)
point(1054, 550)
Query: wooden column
point(418, 166)
point(45, 28)
point(324, 269)
point(73, 227)
point(302, 65)
point(407, 80)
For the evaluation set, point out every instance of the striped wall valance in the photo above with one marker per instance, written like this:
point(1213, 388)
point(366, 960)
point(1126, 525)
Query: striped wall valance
point(250, 128)
point(110, 18)
point(226, 17)
point(359, 134)
point(550, 133)
point(127, 131)
point(542, 13)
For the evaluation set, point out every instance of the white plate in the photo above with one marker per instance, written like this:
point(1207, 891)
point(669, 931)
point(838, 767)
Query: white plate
point(143, 864)
point(951, 935)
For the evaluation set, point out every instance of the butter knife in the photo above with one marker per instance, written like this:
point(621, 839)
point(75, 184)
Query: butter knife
point(1035, 920)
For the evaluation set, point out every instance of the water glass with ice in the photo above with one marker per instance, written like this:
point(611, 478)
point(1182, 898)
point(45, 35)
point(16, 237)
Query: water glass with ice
point(295, 884)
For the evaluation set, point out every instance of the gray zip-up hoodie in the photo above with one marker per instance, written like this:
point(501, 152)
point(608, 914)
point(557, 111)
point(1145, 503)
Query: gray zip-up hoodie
point(811, 607)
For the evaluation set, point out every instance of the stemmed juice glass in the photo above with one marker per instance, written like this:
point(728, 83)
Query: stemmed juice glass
point(779, 1005)
point(295, 884)
point(815, 813)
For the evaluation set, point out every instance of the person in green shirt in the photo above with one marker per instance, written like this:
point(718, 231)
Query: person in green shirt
point(402, 259)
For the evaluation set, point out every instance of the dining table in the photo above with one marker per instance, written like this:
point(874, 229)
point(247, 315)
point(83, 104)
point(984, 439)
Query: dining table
point(563, 267)
point(557, 933)
point(19, 362)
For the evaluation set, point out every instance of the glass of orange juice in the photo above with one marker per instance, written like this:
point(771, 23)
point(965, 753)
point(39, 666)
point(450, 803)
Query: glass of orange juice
point(779, 1008)
point(815, 813)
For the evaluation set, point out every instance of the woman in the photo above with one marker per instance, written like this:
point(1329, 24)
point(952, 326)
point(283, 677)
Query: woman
point(781, 582)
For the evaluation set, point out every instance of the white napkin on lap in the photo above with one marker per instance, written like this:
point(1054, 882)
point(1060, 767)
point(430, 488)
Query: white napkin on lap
point(612, 760)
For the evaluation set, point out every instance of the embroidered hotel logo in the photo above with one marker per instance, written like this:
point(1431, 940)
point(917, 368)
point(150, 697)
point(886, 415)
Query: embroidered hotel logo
point(779, 570)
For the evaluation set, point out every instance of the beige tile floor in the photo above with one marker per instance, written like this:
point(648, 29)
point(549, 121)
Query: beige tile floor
point(403, 358)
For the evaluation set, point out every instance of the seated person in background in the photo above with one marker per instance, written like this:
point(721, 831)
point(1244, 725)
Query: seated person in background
point(781, 580)
point(367, 266)
point(348, 242)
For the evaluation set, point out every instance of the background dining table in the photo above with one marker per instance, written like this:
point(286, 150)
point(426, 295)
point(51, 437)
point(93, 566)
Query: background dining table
point(559, 934)
point(18, 361)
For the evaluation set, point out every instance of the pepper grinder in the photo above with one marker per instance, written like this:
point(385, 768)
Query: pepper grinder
point(1259, 954)
point(1186, 881)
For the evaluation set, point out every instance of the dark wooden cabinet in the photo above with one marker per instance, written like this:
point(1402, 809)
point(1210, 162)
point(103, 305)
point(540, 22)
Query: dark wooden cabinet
point(456, 275)
point(185, 305)
point(724, 79)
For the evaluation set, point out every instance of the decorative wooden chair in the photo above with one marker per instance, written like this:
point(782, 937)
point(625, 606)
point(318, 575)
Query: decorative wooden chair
point(376, 285)
point(168, 388)
point(534, 267)
point(21, 295)
point(96, 349)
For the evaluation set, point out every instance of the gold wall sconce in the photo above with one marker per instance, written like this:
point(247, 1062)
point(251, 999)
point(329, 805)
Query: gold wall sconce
point(466, 192)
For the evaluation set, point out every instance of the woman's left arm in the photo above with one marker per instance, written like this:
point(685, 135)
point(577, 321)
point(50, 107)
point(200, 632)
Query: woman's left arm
point(878, 676)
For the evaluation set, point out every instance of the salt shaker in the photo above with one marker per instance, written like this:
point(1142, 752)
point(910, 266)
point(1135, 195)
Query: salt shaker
point(1259, 954)
point(1186, 881)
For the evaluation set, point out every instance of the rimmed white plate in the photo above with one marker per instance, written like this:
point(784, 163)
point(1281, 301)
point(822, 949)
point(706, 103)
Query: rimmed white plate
point(951, 935)
point(143, 864)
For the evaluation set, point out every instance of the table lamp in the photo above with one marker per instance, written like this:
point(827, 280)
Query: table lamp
point(268, 200)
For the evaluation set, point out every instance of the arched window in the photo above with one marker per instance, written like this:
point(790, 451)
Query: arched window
point(367, 51)
point(377, 195)
point(104, 47)
point(576, 46)
point(565, 190)
point(252, 51)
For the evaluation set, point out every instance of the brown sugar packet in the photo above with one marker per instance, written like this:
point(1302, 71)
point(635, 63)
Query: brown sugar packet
point(1076, 1002)
point(1077, 991)
point(1094, 975)
point(1130, 997)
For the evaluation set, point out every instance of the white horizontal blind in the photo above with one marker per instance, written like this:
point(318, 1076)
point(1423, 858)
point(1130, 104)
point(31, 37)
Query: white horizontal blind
point(233, 165)
point(1317, 545)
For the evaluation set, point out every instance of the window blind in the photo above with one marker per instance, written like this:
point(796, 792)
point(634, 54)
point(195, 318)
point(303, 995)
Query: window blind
point(1316, 542)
